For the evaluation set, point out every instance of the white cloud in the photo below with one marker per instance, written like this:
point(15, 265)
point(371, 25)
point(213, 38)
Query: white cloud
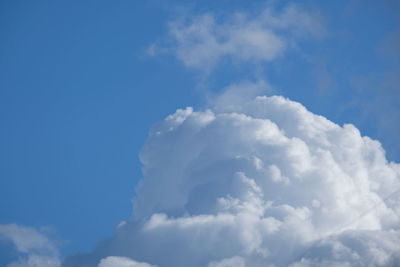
point(355, 248)
point(202, 41)
point(263, 182)
point(232, 97)
point(34, 248)
point(114, 261)
point(231, 262)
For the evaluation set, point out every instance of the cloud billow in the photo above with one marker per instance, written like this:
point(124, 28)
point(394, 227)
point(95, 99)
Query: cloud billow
point(263, 182)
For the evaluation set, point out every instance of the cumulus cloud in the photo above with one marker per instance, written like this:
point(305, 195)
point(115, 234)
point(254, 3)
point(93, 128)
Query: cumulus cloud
point(33, 247)
point(264, 182)
point(202, 41)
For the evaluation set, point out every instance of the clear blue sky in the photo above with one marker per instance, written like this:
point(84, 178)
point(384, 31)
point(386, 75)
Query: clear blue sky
point(78, 94)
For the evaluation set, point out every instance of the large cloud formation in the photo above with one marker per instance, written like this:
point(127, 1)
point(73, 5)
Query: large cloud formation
point(262, 182)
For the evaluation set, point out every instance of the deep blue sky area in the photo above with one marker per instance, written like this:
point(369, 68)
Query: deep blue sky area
point(78, 94)
point(77, 98)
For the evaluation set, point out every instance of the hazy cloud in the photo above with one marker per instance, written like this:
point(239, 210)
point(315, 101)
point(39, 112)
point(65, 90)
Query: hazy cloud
point(202, 41)
point(33, 247)
point(121, 262)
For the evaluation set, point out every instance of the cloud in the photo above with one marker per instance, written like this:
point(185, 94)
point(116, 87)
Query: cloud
point(356, 248)
point(264, 182)
point(122, 262)
point(202, 41)
point(232, 262)
point(232, 97)
point(34, 248)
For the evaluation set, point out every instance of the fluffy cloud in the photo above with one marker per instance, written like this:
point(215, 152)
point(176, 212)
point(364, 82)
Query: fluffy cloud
point(34, 248)
point(263, 182)
point(202, 41)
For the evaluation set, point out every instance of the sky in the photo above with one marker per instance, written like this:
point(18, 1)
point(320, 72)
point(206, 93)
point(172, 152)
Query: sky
point(84, 82)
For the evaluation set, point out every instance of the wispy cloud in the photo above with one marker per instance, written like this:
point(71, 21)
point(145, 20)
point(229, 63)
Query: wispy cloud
point(34, 248)
point(203, 41)
point(114, 261)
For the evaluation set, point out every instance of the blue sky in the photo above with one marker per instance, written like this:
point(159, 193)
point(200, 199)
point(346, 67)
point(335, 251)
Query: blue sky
point(79, 92)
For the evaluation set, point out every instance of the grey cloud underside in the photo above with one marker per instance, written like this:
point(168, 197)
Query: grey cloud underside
point(263, 182)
